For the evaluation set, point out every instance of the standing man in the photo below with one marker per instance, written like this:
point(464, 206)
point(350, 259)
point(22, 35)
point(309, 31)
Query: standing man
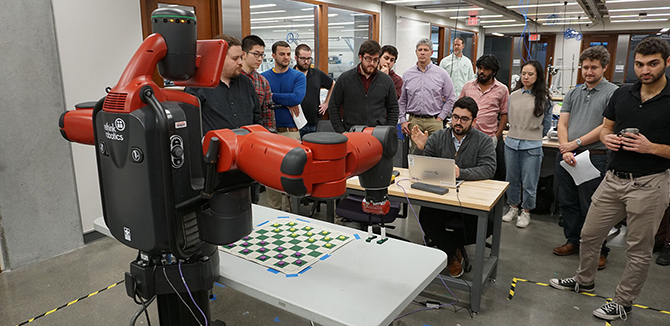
point(579, 129)
point(476, 160)
point(233, 103)
point(428, 94)
point(254, 52)
point(362, 96)
point(492, 97)
point(288, 90)
point(458, 66)
point(636, 128)
point(311, 105)
point(386, 62)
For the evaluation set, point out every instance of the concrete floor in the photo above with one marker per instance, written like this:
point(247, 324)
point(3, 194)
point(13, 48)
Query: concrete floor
point(525, 253)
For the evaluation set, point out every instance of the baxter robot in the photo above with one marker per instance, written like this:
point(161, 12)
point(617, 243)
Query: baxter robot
point(175, 195)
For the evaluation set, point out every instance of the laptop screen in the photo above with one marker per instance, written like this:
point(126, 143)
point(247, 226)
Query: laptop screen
point(432, 170)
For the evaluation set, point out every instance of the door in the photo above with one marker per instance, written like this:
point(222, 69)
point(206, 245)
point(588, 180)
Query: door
point(609, 41)
point(543, 51)
point(207, 12)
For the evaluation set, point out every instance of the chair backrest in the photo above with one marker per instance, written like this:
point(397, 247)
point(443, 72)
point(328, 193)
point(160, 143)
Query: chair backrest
point(324, 126)
point(350, 208)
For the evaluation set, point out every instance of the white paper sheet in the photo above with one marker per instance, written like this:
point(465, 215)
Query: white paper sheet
point(582, 171)
point(300, 120)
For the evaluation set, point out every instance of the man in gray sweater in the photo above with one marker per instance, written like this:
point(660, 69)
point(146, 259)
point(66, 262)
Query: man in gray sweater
point(475, 160)
point(363, 96)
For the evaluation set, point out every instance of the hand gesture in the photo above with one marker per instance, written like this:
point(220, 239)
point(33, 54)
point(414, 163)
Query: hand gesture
point(613, 142)
point(323, 108)
point(636, 143)
point(419, 137)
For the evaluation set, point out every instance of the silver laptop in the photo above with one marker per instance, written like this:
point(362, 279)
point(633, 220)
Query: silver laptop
point(433, 170)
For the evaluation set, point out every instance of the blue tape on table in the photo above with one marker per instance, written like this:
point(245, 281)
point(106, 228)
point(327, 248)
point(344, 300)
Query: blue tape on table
point(306, 221)
point(273, 271)
point(324, 257)
point(304, 270)
point(263, 223)
point(282, 216)
point(291, 275)
point(358, 237)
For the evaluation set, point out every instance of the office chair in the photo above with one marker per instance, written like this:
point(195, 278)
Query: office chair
point(350, 210)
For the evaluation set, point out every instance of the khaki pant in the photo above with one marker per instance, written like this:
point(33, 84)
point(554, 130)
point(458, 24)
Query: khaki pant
point(643, 201)
point(276, 199)
point(425, 124)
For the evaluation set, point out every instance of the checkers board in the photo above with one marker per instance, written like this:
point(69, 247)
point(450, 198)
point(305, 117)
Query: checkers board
point(288, 245)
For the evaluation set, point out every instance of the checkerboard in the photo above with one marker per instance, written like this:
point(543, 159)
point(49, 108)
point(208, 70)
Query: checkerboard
point(288, 245)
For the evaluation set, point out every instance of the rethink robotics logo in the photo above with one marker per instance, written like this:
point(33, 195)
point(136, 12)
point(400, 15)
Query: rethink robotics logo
point(111, 130)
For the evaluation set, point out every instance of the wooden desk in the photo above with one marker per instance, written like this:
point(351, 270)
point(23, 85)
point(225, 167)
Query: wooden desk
point(479, 198)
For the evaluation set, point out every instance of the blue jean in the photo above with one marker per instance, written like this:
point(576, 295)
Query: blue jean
point(523, 173)
point(574, 201)
point(306, 129)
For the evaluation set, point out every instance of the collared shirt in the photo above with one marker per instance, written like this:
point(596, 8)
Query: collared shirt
point(457, 143)
point(366, 80)
point(264, 97)
point(651, 117)
point(427, 92)
point(397, 82)
point(491, 103)
point(586, 107)
point(228, 107)
point(460, 70)
point(316, 80)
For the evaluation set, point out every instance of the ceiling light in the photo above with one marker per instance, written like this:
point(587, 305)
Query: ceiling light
point(639, 20)
point(353, 30)
point(497, 21)
point(453, 10)
point(484, 16)
point(566, 23)
point(639, 9)
point(335, 26)
point(362, 26)
point(622, 1)
point(263, 6)
point(305, 9)
point(332, 15)
point(663, 30)
point(561, 18)
point(542, 5)
point(285, 17)
point(405, 1)
point(266, 22)
point(508, 25)
point(497, 34)
point(302, 19)
point(267, 12)
point(638, 15)
point(343, 23)
point(282, 26)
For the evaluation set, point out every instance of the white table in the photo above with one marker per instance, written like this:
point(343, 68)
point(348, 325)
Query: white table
point(360, 284)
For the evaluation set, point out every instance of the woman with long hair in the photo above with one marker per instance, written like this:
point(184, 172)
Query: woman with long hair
point(529, 116)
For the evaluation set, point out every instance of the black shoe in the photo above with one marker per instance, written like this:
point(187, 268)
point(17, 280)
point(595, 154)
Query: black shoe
point(570, 284)
point(664, 258)
point(612, 311)
point(658, 246)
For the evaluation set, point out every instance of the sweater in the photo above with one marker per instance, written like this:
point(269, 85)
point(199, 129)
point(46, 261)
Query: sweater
point(523, 124)
point(350, 105)
point(476, 158)
point(288, 89)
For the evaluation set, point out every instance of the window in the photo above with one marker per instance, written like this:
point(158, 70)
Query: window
point(347, 30)
point(435, 38)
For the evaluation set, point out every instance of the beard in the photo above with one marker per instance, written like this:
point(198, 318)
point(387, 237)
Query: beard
point(303, 68)
point(461, 130)
point(653, 79)
point(368, 69)
point(484, 79)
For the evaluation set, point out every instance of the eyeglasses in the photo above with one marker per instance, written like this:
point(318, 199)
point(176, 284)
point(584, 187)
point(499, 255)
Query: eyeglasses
point(462, 119)
point(305, 58)
point(370, 59)
point(258, 55)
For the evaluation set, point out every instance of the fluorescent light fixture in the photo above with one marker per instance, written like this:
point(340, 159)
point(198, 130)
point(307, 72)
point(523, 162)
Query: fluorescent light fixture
point(359, 14)
point(542, 5)
point(663, 30)
point(562, 18)
point(353, 30)
point(305, 9)
point(406, 1)
point(639, 9)
point(497, 21)
point(335, 26)
point(639, 20)
point(362, 26)
point(266, 22)
point(267, 5)
point(497, 34)
point(280, 18)
point(343, 23)
point(332, 15)
point(481, 17)
point(282, 26)
point(302, 19)
point(560, 13)
point(453, 10)
point(566, 23)
point(267, 12)
point(622, 1)
point(637, 15)
point(508, 25)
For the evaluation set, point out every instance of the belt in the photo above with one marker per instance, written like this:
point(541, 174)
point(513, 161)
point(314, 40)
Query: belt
point(630, 175)
point(423, 116)
point(285, 129)
point(595, 151)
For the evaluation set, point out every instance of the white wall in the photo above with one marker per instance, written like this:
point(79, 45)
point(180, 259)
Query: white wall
point(409, 32)
point(96, 39)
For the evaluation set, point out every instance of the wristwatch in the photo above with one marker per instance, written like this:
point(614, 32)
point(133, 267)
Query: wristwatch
point(579, 142)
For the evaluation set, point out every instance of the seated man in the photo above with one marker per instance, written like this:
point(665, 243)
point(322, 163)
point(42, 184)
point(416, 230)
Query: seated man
point(476, 160)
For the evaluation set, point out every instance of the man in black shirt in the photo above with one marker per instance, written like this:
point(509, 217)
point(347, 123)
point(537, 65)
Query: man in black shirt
point(233, 103)
point(636, 128)
point(311, 105)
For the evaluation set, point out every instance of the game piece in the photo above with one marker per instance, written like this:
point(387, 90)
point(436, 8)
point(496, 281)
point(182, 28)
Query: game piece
point(261, 250)
point(245, 244)
point(324, 232)
point(326, 238)
point(262, 257)
point(294, 235)
point(280, 256)
point(310, 239)
point(298, 261)
point(328, 245)
point(281, 263)
point(298, 254)
point(342, 237)
point(280, 249)
point(277, 230)
point(246, 238)
point(291, 223)
point(231, 245)
point(308, 228)
point(275, 225)
point(246, 251)
point(262, 243)
point(292, 229)
point(309, 234)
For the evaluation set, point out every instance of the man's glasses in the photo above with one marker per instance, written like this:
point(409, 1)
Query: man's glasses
point(370, 59)
point(305, 58)
point(455, 118)
point(258, 55)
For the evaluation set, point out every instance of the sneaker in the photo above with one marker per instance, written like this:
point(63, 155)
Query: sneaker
point(523, 220)
point(664, 258)
point(511, 214)
point(570, 284)
point(612, 311)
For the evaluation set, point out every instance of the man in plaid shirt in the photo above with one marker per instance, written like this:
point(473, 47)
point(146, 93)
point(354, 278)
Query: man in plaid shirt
point(254, 52)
